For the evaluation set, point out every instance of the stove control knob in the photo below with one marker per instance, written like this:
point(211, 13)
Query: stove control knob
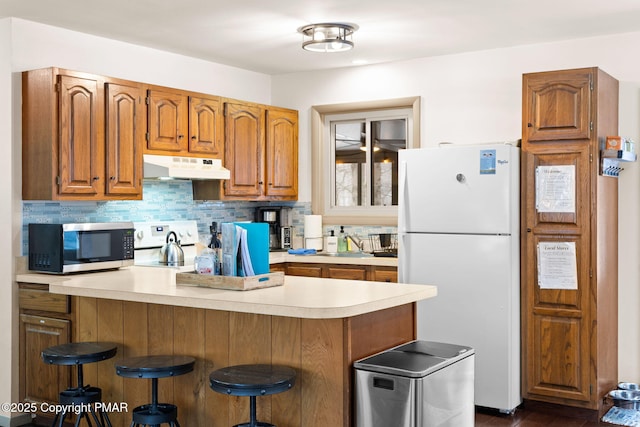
point(140, 235)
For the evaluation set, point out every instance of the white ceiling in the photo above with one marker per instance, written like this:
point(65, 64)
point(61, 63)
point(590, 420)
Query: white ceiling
point(261, 35)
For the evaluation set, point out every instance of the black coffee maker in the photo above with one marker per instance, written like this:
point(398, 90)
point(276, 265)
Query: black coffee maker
point(279, 220)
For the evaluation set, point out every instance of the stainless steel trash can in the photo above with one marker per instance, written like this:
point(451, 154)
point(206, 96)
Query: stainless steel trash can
point(419, 384)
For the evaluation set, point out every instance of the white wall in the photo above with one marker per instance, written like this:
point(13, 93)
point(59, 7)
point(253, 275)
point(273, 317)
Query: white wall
point(476, 97)
point(38, 46)
point(8, 314)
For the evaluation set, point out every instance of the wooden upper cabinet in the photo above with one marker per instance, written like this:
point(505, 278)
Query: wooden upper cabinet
point(282, 153)
point(64, 139)
point(125, 127)
point(261, 150)
point(80, 169)
point(560, 110)
point(244, 147)
point(167, 121)
point(182, 123)
point(206, 126)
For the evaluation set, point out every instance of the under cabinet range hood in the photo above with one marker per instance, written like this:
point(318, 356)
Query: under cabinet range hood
point(175, 167)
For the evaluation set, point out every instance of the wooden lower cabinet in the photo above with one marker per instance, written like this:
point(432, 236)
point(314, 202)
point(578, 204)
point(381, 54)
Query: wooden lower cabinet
point(385, 274)
point(322, 352)
point(306, 270)
point(348, 272)
point(40, 382)
point(340, 271)
point(45, 321)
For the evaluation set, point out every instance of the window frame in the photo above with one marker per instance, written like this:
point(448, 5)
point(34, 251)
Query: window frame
point(322, 167)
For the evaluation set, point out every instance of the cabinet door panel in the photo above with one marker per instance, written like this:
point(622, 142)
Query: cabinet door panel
point(559, 110)
point(80, 166)
point(125, 138)
point(562, 358)
point(205, 126)
point(282, 154)
point(244, 144)
point(41, 382)
point(385, 274)
point(304, 270)
point(576, 220)
point(344, 272)
point(167, 121)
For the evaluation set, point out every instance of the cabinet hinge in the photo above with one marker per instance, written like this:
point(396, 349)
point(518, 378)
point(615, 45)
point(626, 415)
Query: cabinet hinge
point(147, 100)
point(146, 136)
point(590, 389)
point(590, 157)
point(591, 126)
point(58, 180)
point(57, 87)
point(591, 85)
point(590, 273)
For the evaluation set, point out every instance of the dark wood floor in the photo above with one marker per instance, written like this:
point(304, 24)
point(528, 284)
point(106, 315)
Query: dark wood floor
point(531, 417)
point(523, 417)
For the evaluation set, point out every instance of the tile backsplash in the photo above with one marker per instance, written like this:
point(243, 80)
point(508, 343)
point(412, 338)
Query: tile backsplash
point(169, 201)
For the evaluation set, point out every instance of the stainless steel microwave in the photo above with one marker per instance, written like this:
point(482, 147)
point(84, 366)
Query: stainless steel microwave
point(69, 248)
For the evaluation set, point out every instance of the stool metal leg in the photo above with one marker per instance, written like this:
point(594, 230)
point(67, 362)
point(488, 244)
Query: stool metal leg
point(252, 411)
point(64, 415)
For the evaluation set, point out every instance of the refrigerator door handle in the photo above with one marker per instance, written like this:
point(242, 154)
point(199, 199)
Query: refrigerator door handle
point(403, 197)
point(403, 217)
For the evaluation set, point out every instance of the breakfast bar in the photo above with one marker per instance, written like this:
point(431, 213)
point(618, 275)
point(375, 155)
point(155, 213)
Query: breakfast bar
point(319, 327)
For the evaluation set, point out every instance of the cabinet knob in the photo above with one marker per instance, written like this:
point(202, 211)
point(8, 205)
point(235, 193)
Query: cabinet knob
point(112, 178)
point(260, 182)
point(528, 230)
point(96, 178)
point(180, 136)
point(194, 138)
point(529, 125)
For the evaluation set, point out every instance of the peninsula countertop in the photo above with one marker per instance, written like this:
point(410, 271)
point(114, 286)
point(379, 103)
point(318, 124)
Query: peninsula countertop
point(302, 297)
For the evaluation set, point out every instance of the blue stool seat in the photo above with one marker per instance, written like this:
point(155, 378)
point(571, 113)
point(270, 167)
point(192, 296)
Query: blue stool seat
point(154, 367)
point(252, 381)
point(83, 396)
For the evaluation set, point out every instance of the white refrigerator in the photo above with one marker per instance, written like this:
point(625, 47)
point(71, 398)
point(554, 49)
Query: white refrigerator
point(458, 229)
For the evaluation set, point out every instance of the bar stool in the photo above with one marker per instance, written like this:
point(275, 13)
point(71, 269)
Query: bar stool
point(154, 367)
point(82, 397)
point(252, 381)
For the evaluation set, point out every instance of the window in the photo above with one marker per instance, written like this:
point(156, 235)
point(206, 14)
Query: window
point(356, 160)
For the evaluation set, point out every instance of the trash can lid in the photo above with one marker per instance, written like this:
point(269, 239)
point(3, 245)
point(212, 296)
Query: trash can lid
point(415, 359)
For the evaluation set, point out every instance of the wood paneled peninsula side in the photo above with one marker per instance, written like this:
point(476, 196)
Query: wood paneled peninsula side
point(317, 326)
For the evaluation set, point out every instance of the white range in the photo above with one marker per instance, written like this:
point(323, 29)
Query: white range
point(150, 237)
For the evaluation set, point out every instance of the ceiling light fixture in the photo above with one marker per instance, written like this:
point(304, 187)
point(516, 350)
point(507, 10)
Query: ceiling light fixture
point(327, 37)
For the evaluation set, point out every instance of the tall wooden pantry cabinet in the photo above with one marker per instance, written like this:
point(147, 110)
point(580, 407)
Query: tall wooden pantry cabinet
point(569, 253)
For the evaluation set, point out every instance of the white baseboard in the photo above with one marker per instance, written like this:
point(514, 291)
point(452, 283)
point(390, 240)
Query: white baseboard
point(15, 421)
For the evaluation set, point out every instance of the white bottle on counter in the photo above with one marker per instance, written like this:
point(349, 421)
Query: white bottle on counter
point(331, 243)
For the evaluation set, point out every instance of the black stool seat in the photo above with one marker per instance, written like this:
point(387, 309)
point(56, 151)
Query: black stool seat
point(78, 353)
point(252, 381)
point(154, 367)
point(83, 396)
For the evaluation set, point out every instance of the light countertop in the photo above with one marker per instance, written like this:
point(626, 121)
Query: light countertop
point(280, 257)
point(302, 297)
